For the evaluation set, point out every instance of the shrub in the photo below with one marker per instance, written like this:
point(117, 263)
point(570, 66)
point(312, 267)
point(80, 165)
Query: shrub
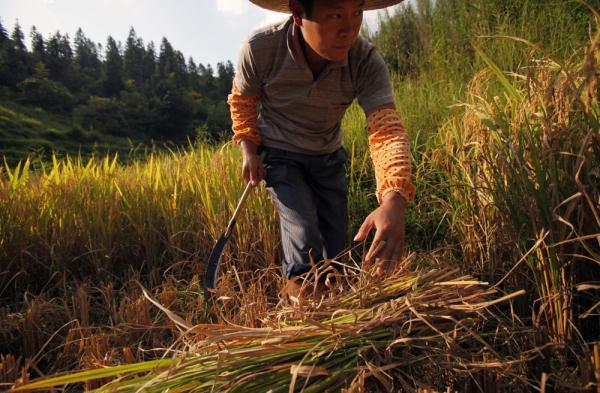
point(103, 114)
point(46, 93)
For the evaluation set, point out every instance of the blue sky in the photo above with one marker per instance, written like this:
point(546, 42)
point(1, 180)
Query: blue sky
point(207, 30)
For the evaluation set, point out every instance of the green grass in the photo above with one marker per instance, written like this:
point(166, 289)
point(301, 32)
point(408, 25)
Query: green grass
point(498, 133)
point(27, 131)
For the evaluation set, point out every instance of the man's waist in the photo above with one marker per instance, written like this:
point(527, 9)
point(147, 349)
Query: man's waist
point(307, 143)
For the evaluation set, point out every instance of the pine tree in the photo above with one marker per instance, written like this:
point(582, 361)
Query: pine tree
point(3, 34)
point(17, 62)
point(86, 52)
point(206, 80)
point(6, 58)
point(87, 64)
point(191, 66)
point(133, 59)
point(113, 69)
point(181, 73)
point(193, 79)
point(166, 59)
point(59, 59)
point(225, 72)
point(17, 38)
point(149, 69)
point(38, 48)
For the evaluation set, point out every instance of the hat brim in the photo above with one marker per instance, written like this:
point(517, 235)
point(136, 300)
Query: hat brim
point(283, 5)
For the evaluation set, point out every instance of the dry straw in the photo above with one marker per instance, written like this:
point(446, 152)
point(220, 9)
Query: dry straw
point(413, 329)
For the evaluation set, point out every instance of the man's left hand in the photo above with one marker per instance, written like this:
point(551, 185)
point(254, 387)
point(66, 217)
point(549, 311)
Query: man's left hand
point(388, 243)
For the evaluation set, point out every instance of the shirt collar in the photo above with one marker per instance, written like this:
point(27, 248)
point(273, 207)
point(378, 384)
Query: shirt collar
point(296, 52)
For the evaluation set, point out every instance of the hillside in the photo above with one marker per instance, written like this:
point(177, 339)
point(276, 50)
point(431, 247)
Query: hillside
point(36, 133)
point(499, 290)
point(77, 96)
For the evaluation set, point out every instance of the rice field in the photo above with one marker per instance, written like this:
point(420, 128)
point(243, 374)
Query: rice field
point(499, 292)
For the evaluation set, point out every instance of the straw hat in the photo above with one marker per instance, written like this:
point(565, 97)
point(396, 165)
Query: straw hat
point(283, 5)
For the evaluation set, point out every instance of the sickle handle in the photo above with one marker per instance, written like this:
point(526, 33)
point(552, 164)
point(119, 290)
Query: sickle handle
point(240, 204)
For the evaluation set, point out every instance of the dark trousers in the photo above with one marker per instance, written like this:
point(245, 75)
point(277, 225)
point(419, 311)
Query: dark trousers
point(310, 194)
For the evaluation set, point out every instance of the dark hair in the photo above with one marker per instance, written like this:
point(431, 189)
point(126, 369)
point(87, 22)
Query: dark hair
point(307, 5)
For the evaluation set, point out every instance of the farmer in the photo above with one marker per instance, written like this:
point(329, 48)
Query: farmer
point(293, 83)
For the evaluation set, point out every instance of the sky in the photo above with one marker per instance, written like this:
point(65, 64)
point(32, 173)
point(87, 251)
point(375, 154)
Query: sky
point(209, 31)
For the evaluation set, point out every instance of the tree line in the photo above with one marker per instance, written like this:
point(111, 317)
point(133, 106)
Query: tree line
point(124, 90)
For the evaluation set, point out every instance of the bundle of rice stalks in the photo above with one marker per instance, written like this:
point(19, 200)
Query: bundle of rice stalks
point(379, 334)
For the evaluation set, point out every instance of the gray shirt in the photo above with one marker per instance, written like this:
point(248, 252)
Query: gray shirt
point(298, 113)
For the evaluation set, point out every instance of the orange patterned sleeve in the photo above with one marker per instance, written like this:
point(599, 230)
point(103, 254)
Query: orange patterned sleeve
point(243, 116)
point(389, 147)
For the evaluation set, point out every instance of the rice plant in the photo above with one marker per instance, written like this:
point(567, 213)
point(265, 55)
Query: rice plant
point(524, 163)
point(416, 328)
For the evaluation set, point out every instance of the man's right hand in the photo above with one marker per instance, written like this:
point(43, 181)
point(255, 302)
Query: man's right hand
point(253, 170)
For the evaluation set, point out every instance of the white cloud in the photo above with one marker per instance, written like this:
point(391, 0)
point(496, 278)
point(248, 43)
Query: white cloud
point(236, 7)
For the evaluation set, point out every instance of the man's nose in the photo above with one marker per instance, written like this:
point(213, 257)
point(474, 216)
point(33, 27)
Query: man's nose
point(348, 26)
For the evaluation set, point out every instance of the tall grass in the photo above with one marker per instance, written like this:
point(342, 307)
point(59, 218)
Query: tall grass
point(523, 160)
point(88, 215)
point(504, 136)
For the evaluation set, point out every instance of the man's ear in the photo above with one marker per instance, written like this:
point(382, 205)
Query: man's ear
point(297, 12)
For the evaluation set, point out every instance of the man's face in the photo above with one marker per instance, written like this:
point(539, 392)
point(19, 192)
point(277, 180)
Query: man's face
point(333, 27)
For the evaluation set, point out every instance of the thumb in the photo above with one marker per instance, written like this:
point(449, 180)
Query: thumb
point(364, 229)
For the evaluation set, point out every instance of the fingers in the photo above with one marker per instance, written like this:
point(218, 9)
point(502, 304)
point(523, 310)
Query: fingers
point(389, 264)
point(246, 173)
point(398, 251)
point(382, 268)
point(392, 247)
point(253, 170)
point(364, 229)
point(388, 242)
point(254, 176)
point(259, 172)
point(377, 246)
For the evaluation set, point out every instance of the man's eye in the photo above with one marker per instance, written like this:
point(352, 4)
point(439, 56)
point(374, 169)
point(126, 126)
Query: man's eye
point(335, 16)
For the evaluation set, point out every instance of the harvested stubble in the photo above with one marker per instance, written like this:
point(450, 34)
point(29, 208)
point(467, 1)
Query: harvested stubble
point(391, 334)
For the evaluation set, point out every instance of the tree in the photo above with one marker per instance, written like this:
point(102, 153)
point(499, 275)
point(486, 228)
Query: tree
point(133, 59)
point(38, 48)
point(124, 91)
point(225, 73)
point(86, 52)
point(45, 93)
point(174, 115)
point(181, 73)
point(59, 59)
point(172, 70)
point(137, 113)
point(166, 59)
point(149, 69)
point(14, 61)
point(207, 80)
point(102, 114)
point(87, 65)
point(21, 65)
point(193, 80)
point(3, 34)
point(113, 69)
point(17, 38)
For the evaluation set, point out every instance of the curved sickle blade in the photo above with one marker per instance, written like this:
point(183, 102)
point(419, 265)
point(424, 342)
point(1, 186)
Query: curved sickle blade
point(212, 268)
